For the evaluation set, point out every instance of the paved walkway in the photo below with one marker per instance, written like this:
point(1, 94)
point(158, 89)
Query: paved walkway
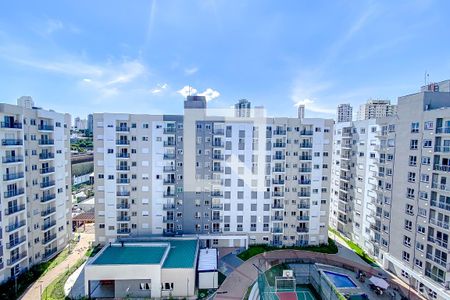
point(33, 292)
point(236, 284)
point(344, 249)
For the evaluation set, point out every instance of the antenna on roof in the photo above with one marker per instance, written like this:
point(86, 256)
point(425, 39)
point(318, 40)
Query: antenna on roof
point(426, 77)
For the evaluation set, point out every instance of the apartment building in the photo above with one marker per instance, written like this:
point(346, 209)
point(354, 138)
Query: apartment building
point(229, 178)
point(394, 202)
point(344, 113)
point(35, 190)
point(374, 109)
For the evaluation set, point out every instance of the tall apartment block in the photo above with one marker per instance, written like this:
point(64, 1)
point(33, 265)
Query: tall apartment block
point(35, 221)
point(396, 203)
point(374, 109)
point(344, 113)
point(229, 179)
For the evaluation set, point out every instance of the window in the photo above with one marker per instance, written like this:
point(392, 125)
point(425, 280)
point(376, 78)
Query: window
point(407, 241)
point(413, 144)
point(410, 193)
point(428, 125)
point(411, 177)
point(409, 209)
point(408, 225)
point(426, 160)
point(405, 256)
point(412, 160)
point(420, 229)
point(414, 127)
point(427, 143)
point(144, 286)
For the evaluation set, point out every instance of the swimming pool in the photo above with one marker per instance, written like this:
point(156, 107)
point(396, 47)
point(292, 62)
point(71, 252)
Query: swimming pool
point(340, 280)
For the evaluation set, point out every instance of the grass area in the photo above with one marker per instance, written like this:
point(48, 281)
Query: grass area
point(221, 278)
point(356, 248)
point(247, 293)
point(253, 250)
point(24, 280)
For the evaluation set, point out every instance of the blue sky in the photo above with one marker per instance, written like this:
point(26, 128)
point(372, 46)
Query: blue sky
point(137, 56)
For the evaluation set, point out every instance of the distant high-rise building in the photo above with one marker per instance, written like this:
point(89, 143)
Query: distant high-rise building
point(242, 108)
point(374, 109)
point(80, 124)
point(344, 113)
point(443, 86)
point(35, 206)
point(301, 111)
point(90, 123)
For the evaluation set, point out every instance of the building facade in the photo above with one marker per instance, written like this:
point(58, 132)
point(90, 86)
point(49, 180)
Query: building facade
point(344, 113)
point(374, 109)
point(36, 189)
point(232, 180)
point(395, 203)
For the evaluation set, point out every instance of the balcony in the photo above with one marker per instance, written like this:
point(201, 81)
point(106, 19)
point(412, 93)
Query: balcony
point(170, 130)
point(47, 184)
point(277, 194)
point(47, 155)
point(169, 144)
point(306, 132)
point(11, 125)
point(302, 218)
point(49, 239)
point(438, 260)
point(218, 156)
point(45, 127)
point(123, 180)
point(168, 219)
point(217, 145)
point(279, 157)
point(216, 194)
point(304, 170)
point(169, 206)
point(439, 242)
point(48, 197)
point(14, 193)
point(279, 132)
point(168, 194)
point(304, 194)
point(279, 145)
point(123, 155)
point(16, 258)
point(217, 218)
point(277, 206)
point(278, 181)
point(12, 159)
point(49, 253)
point(346, 178)
point(306, 145)
point(278, 169)
point(170, 181)
point(305, 157)
point(439, 223)
point(169, 156)
point(169, 169)
point(443, 168)
point(123, 193)
point(444, 149)
point(303, 206)
point(217, 206)
point(123, 231)
point(123, 168)
point(440, 186)
point(14, 209)
point(276, 230)
point(12, 142)
point(48, 225)
point(441, 205)
point(277, 218)
point(169, 231)
point(123, 206)
point(122, 142)
point(217, 131)
point(123, 218)
point(13, 176)
point(346, 146)
point(302, 230)
point(341, 219)
point(443, 130)
point(48, 211)
point(15, 242)
point(46, 142)
point(304, 181)
point(217, 170)
point(122, 129)
point(47, 170)
point(15, 226)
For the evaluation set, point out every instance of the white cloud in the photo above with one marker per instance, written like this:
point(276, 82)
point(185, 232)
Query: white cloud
point(190, 71)
point(187, 90)
point(53, 26)
point(159, 88)
point(210, 94)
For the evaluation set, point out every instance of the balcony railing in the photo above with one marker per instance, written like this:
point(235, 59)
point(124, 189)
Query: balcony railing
point(277, 181)
point(122, 128)
point(123, 231)
point(217, 206)
point(304, 181)
point(302, 230)
point(440, 205)
point(279, 145)
point(277, 218)
point(279, 157)
point(277, 194)
point(439, 242)
point(169, 156)
point(302, 218)
point(14, 209)
point(49, 238)
point(217, 169)
point(437, 260)
point(47, 155)
point(123, 206)
point(122, 142)
point(47, 170)
point(304, 170)
point(12, 159)
point(17, 225)
point(16, 258)
point(49, 253)
point(13, 176)
point(218, 156)
point(48, 197)
point(12, 142)
point(305, 157)
point(47, 184)
point(443, 168)
point(303, 206)
point(218, 144)
point(15, 242)
point(439, 223)
point(169, 169)
point(123, 168)
point(169, 206)
point(443, 130)
point(277, 230)
point(170, 130)
point(11, 125)
point(46, 127)
point(442, 149)
point(279, 132)
point(277, 205)
point(216, 194)
point(14, 193)
point(169, 144)
point(169, 181)
point(48, 211)
point(46, 142)
point(123, 218)
point(304, 194)
point(123, 193)
point(278, 169)
point(306, 132)
point(218, 131)
point(306, 145)
point(168, 194)
point(48, 225)
point(123, 155)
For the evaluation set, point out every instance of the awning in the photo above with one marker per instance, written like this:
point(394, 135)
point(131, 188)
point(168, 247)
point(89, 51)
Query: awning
point(379, 282)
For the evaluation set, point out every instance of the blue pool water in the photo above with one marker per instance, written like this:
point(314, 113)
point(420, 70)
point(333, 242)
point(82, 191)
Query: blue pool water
point(340, 280)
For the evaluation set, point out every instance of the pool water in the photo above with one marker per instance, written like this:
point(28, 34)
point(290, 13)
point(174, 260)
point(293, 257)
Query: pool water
point(340, 280)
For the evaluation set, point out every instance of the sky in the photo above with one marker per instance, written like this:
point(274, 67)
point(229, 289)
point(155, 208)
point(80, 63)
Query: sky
point(139, 56)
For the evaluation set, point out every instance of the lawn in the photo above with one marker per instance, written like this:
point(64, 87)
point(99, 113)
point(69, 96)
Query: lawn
point(253, 250)
point(356, 248)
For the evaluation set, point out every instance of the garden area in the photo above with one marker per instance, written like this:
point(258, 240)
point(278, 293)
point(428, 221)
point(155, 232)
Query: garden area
point(253, 250)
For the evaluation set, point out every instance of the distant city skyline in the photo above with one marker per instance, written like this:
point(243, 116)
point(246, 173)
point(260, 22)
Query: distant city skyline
point(80, 58)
